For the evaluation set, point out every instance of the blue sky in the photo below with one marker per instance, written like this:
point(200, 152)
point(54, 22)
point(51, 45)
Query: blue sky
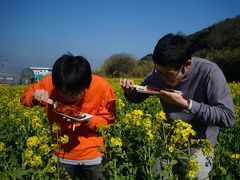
point(37, 32)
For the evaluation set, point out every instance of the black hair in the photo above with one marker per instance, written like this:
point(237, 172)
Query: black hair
point(172, 50)
point(71, 73)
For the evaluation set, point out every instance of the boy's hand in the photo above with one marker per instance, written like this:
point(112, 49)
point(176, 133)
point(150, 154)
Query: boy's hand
point(41, 95)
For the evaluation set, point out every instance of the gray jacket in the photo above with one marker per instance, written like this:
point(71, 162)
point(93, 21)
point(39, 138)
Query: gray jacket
point(206, 86)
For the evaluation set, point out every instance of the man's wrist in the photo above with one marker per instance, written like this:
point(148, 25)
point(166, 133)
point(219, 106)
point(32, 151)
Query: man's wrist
point(189, 104)
point(34, 100)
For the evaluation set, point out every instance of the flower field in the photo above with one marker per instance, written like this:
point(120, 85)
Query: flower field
point(131, 143)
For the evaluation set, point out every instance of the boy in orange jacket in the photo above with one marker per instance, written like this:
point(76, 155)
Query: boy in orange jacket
point(72, 83)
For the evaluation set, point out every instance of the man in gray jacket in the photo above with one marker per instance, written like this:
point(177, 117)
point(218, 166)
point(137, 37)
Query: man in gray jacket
point(206, 102)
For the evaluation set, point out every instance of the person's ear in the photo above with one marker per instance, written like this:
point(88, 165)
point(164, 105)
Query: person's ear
point(188, 63)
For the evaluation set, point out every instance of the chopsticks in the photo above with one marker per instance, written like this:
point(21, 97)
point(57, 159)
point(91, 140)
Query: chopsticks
point(54, 103)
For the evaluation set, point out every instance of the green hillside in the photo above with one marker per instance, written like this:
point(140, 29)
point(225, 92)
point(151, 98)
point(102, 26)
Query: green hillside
point(219, 43)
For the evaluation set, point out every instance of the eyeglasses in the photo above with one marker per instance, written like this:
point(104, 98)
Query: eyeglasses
point(169, 75)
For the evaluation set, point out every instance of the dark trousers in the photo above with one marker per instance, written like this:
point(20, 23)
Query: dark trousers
point(83, 172)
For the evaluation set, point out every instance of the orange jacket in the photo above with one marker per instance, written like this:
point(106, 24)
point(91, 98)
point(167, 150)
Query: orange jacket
point(99, 101)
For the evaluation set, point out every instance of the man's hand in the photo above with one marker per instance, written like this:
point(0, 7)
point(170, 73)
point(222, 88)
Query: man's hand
point(173, 98)
point(127, 85)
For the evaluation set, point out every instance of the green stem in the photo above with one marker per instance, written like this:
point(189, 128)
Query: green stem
point(150, 167)
point(8, 169)
point(58, 158)
point(115, 169)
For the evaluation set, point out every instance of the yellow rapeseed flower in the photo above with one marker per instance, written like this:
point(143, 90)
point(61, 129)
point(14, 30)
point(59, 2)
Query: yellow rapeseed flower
point(26, 114)
point(191, 174)
point(147, 123)
point(207, 147)
point(116, 141)
point(22, 128)
point(45, 131)
point(63, 139)
point(193, 168)
point(45, 149)
point(137, 112)
point(171, 148)
point(44, 139)
point(2, 147)
point(182, 132)
point(150, 135)
point(193, 161)
point(235, 156)
point(56, 128)
point(127, 118)
point(53, 160)
point(238, 156)
point(120, 104)
point(161, 116)
point(36, 161)
point(32, 141)
point(36, 122)
point(55, 147)
point(28, 153)
point(52, 169)
point(222, 170)
point(136, 117)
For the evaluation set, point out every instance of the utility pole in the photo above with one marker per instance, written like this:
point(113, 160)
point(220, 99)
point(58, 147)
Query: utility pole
point(3, 63)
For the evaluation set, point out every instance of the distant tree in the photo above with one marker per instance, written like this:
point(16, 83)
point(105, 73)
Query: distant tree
point(118, 65)
point(144, 66)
